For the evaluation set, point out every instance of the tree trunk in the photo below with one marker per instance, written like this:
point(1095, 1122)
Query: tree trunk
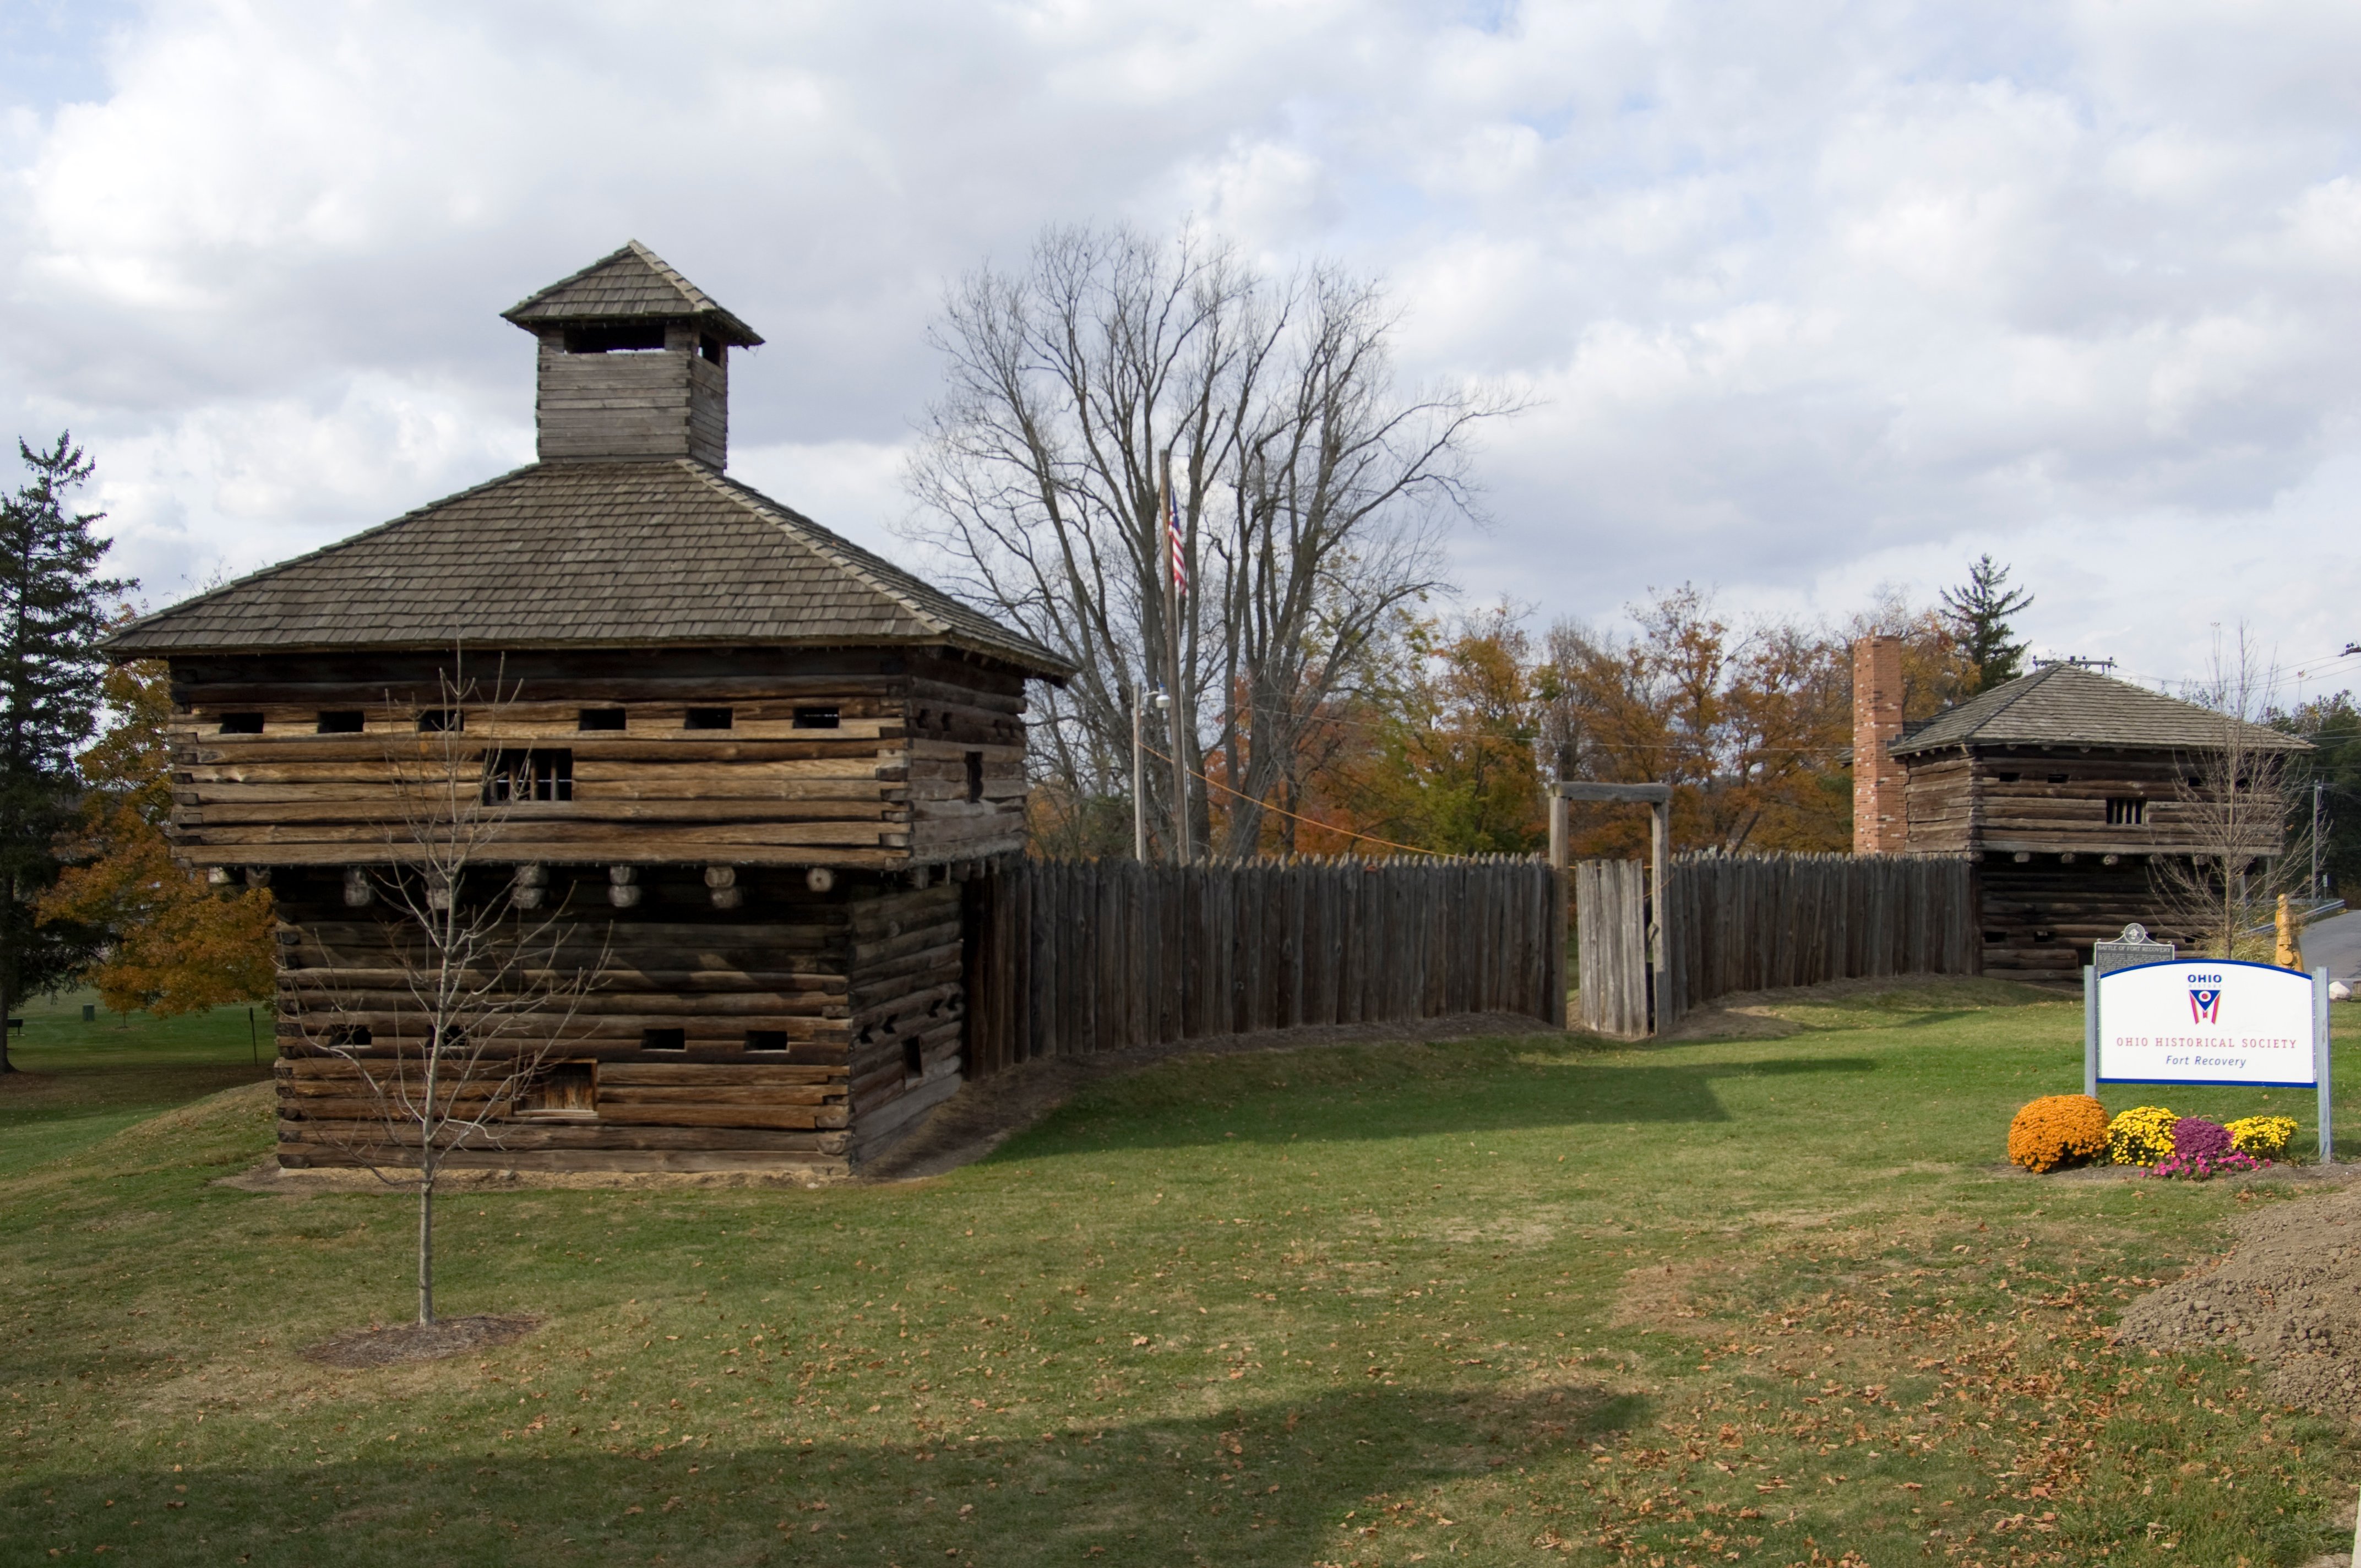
point(425, 1246)
point(7, 965)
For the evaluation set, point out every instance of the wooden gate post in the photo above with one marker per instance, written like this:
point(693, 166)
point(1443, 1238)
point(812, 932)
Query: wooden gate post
point(1658, 799)
point(1659, 834)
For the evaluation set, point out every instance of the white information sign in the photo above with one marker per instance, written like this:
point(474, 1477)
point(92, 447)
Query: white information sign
point(2208, 1021)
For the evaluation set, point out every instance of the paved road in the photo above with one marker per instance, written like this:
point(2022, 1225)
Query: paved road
point(2336, 942)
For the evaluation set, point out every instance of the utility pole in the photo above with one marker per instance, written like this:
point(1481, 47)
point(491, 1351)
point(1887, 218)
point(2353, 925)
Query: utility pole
point(2317, 786)
point(1138, 781)
point(1170, 520)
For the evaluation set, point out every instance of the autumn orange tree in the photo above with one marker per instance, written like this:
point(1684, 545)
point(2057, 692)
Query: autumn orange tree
point(1749, 726)
point(1445, 762)
point(173, 943)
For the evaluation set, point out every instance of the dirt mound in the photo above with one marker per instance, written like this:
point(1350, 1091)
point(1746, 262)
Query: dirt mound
point(418, 1342)
point(2289, 1295)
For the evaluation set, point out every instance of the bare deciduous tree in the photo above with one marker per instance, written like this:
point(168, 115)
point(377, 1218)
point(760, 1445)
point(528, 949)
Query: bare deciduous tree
point(1309, 494)
point(480, 982)
point(2235, 803)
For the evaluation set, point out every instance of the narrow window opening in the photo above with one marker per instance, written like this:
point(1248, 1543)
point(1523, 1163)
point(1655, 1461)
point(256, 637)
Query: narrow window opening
point(710, 346)
point(2058, 778)
point(817, 719)
point(1996, 936)
point(350, 1035)
point(441, 720)
point(2126, 813)
point(602, 718)
point(664, 1039)
point(706, 719)
point(614, 339)
point(241, 724)
point(450, 1040)
point(542, 775)
point(914, 1057)
point(766, 1039)
point(566, 1089)
point(2007, 778)
point(974, 776)
point(341, 721)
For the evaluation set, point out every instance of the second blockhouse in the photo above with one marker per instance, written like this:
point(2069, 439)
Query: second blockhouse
point(2065, 787)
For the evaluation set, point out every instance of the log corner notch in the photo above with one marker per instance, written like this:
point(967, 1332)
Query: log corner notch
point(1662, 1004)
point(751, 750)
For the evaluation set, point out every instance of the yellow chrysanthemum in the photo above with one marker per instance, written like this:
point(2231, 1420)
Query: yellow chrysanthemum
point(2141, 1136)
point(2265, 1137)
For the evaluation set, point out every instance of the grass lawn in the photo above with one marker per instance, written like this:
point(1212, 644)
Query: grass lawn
point(1528, 1300)
point(81, 1082)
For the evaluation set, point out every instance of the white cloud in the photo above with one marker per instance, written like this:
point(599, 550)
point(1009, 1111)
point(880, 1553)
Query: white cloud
point(1813, 297)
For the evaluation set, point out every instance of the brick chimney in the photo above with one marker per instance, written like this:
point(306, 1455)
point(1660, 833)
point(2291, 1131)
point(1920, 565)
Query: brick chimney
point(1881, 820)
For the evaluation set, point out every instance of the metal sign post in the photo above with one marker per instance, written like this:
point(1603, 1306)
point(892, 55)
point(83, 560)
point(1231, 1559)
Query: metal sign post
point(2090, 1030)
point(2319, 1066)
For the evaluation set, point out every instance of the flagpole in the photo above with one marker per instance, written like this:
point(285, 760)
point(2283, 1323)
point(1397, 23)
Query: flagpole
point(1138, 781)
point(1180, 711)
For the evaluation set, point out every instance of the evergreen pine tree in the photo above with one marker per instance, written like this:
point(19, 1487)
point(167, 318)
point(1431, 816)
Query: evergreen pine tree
point(1978, 612)
point(52, 611)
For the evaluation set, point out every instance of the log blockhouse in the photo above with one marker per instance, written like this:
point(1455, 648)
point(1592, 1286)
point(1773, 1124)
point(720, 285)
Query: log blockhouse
point(754, 761)
point(2064, 786)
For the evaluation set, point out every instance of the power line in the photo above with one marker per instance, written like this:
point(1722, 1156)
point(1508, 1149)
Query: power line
point(1308, 821)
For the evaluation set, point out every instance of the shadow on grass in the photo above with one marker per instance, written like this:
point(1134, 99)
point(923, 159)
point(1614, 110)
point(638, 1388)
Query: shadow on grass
point(1248, 1484)
point(1574, 1090)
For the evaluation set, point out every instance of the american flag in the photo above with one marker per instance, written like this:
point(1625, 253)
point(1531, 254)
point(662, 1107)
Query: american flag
point(1172, 541)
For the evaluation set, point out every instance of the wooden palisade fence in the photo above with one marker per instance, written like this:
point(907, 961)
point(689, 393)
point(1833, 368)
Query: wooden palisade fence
point(1762, 922)
point(1065, 958)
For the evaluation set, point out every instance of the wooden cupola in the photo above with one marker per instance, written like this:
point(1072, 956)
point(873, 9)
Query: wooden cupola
point(635, 362)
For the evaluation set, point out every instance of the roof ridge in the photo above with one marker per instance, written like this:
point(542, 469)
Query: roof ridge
point(693, 301)
point(348, 542)
point(670, 274)
point(756, 501)
point(2026, 684)
point(903, 586)
point(2087, 709)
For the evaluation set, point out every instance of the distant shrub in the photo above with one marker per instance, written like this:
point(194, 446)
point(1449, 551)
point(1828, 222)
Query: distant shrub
point(2141, 1136)
point(2058, 1129)
point(2265, 1137)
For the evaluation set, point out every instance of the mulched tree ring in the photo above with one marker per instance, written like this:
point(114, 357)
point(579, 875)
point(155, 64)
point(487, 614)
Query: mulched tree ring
point(400, 1342)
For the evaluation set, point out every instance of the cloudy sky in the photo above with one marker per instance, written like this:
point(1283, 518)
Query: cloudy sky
point(1810, 297)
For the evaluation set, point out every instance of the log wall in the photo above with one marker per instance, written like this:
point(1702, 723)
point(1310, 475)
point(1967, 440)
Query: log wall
point(2055, 876)
point(812, 1027)
point(2041, 917)
point(1068, 958)
point(888, 785)
point(2054, 802)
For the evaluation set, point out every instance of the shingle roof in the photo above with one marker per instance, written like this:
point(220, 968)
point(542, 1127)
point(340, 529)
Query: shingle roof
point(634, 284)
point(2062, 705)
point(583, 554)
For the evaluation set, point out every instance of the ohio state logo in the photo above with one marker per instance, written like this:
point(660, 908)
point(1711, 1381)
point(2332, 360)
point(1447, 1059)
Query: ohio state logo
point(2205, 1005)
